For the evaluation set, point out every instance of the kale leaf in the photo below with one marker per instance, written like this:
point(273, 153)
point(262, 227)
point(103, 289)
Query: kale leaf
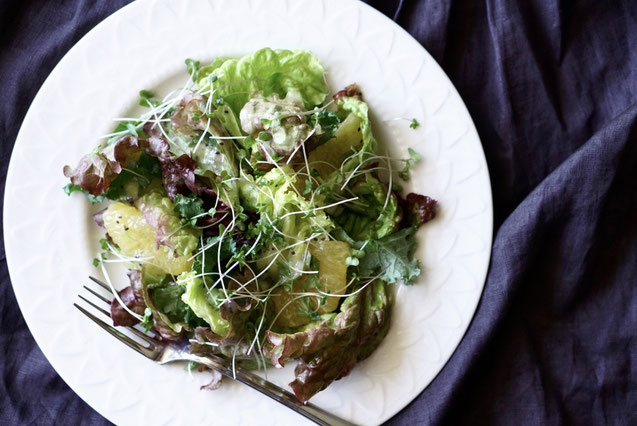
point(189, 207)
point(391, 257)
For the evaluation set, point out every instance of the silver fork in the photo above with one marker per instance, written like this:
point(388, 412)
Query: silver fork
point(164, 353)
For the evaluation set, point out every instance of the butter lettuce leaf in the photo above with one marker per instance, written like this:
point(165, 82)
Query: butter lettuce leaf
point(356, 106)
point(271, 71)
point(370, 218)
point(276, 195)
point(202, 302)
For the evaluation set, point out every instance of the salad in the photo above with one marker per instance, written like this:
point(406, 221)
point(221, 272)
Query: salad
point(256, 217)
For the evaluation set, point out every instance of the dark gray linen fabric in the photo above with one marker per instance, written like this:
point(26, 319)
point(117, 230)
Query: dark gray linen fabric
point(552, 88)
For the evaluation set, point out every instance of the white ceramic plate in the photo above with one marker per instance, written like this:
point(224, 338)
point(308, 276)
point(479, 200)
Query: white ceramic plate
point(50, 238)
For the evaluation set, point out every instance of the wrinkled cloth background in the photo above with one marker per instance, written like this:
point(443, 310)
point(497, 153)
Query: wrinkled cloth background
point(552, 88)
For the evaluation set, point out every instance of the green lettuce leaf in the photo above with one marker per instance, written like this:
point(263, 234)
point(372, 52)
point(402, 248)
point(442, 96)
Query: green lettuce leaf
point(202, 302)
point(229, 121)
point(206, 71)
point(354, 105)
point(273, 195)
point(271, 71)
point(370, 218)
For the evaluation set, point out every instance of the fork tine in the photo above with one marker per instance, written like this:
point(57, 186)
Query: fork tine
point(96, 294)
point(148, 353)
point(101, 283)
point(94, 305)
point(150, 339)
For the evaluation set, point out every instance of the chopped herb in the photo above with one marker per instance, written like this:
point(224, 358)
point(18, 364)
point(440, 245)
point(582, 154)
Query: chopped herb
point(323, 300)
point(211, 141)
point(308, 187)
point(275, 122)
point(147, 320)
point(325, 122)
point(414, 123)
point(264, 136)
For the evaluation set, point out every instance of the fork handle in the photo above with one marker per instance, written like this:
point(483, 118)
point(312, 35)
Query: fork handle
point(310, 411)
